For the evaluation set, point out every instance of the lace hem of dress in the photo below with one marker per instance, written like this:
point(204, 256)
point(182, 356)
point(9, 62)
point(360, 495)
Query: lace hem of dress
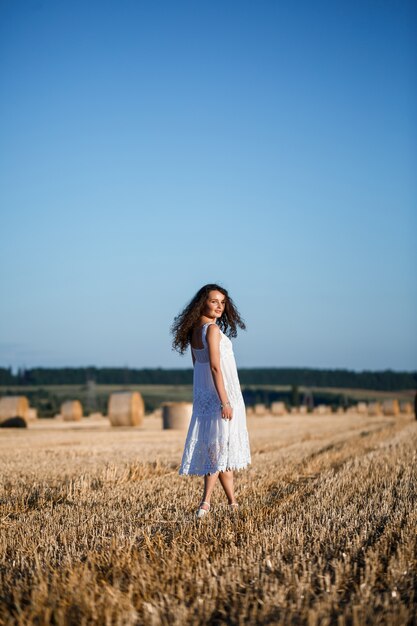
point(210, 470)
point(209, 457)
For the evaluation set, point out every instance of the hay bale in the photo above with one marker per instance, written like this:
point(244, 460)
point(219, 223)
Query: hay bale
point(176, 415)
point(278, 408)
point(303, 409)
point(249, 411)
point(126, 408)
point(362, 408)
point(322, 409)
point(13, 406)
point(374, 408)
point(14, 422)
point(406, 407)
point(95, 416)
point(259, 409)
point(391, 407)
point(71, 411)
point(32, 414)
point(340, 410)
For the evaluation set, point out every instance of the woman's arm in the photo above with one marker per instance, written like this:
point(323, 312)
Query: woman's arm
point(213, 342)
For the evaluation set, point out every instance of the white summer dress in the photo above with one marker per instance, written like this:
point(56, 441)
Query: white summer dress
point(215, 444)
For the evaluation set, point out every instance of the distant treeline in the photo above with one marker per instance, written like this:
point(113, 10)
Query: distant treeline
point(386, 380)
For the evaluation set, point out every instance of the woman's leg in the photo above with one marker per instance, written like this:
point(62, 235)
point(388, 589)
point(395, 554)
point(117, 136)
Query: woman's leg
point(226, 479)
point(209, 482)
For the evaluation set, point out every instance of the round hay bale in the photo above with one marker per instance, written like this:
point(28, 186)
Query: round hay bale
point(14, 422)
point(126, 408)
point(13, 406)
point(278, 408)
point(259, 409)
point(374, 408)
point(391, 407)
point(322, 409)
point(249, 410)
point(95, 416)
point(32, 414)
point(295, 410)
point(176, 415)
point(303, 410)
point(406, 407)
point(71, 411)
point(362, 408)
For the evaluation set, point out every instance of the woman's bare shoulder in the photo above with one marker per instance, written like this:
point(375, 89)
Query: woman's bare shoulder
point(213, 330)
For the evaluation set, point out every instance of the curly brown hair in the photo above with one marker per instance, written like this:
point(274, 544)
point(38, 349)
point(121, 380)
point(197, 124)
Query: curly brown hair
point(185, 321)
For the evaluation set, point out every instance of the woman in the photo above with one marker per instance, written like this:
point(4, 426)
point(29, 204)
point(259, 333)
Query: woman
point(217, 441)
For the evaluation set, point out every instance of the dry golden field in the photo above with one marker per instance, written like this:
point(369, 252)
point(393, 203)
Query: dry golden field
point(97, 527)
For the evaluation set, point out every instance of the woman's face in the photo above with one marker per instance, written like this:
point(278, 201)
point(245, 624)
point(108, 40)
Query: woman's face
point(215, 304)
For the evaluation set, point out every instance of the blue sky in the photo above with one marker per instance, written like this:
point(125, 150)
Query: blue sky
point(147, 148)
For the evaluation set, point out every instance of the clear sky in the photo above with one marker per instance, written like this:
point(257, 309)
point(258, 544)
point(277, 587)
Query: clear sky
point(147, 148)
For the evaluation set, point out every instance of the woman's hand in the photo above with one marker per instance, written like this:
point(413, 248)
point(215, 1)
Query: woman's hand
point(227, 412)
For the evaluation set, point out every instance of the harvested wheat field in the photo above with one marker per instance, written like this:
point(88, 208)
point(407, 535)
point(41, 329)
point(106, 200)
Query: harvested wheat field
point(97, 527)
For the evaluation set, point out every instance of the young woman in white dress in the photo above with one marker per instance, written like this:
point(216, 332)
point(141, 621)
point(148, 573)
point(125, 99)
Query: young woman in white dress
point(217, 440)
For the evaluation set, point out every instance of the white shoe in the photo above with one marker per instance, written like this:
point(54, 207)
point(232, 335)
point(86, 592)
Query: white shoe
point(201, 512)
